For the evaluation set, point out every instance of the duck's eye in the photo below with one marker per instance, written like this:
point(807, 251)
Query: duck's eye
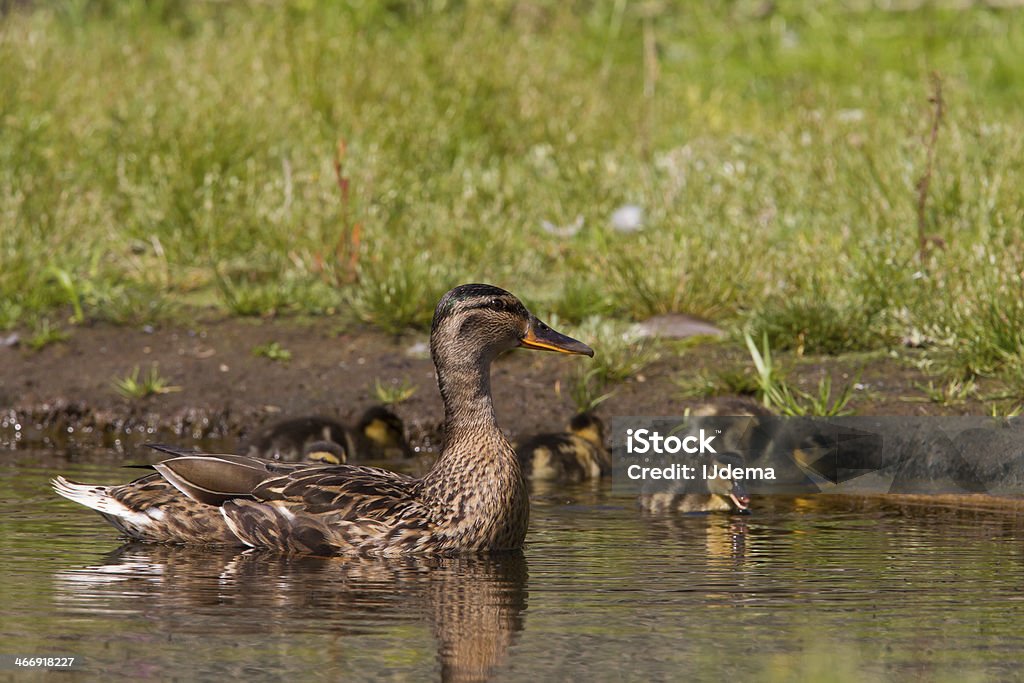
point(496, 303)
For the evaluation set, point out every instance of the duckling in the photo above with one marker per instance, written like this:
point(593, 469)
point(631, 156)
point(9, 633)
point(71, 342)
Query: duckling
point(571, 456)
point(789, 445)
point(474, 499)
point(379, 435)
point(700, 494)
point(731, 406)
point(327, 452)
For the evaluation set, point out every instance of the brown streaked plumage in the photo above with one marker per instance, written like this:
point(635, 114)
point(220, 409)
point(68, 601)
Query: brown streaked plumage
point(379, 435)
point(152, 509)
point(568, 457)
point(473, 499)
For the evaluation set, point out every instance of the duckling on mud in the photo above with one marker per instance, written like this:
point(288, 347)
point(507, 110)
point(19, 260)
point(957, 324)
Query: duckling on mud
point(700, 494)
point(568, 457)
point(379, 435)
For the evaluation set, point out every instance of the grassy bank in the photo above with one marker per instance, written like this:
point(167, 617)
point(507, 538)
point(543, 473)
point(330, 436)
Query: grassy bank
point(308, 157)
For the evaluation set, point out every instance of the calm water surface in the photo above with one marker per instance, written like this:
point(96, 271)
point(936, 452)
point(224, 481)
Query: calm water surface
point(813, 588)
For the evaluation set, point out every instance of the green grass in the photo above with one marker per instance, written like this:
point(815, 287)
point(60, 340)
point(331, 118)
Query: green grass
point(394, 392)
point(623, 352)
point(586, 388)
point(45, 334)
point(133, 387)
point(777, 394)
point(720, 382)
point(272, 350)
point(954, 392)
point(183, 154)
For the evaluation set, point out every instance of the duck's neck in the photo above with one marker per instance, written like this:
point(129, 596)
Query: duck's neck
point(466, 391)
point(476, 488)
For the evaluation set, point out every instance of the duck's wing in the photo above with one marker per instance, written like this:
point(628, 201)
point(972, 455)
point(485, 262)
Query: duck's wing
point(344, 491)
point(300, 507)
point(327, 509)
point(216, 478)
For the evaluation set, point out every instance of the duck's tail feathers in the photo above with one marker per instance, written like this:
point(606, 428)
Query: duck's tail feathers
point(96, 497)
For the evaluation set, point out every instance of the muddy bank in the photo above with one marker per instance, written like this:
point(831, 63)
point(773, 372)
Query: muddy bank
point(63, 395)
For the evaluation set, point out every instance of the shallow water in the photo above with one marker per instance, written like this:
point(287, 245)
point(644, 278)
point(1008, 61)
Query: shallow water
point(813, 588)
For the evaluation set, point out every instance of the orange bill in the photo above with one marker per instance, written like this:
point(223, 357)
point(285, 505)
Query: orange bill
point(540, 336)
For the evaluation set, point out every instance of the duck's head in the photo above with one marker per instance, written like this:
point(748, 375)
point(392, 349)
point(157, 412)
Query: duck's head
point(588, 426)
point(478, 322)
point(326, 452)
point(731, 490)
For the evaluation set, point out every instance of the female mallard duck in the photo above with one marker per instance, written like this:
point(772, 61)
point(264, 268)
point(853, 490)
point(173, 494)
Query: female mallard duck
point(700, 494)
point(473, 499)
point(379, 435)
point(572, 456)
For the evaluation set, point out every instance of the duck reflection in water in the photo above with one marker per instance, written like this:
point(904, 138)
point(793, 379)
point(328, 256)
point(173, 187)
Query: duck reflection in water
point(473, 604)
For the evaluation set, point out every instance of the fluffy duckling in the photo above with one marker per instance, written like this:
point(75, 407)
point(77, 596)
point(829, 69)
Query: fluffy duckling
point(379, 435)
point(731, 406)
point(569, 457)
point(326, 452)
point(700, 494)
point(474, 499)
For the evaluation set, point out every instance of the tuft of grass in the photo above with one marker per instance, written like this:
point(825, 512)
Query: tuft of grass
point(726, 381)
point(67, 284)
point(272, 350)
point(779, 396)
point(10, 315)
point(44, 335)
point(586, 389)
point(393, 393)
point(953, 392)
point(817, 326)
point(399, 295)
point(136, 304)
point(1006, 410)
point(133, 387)
point(620, 351)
